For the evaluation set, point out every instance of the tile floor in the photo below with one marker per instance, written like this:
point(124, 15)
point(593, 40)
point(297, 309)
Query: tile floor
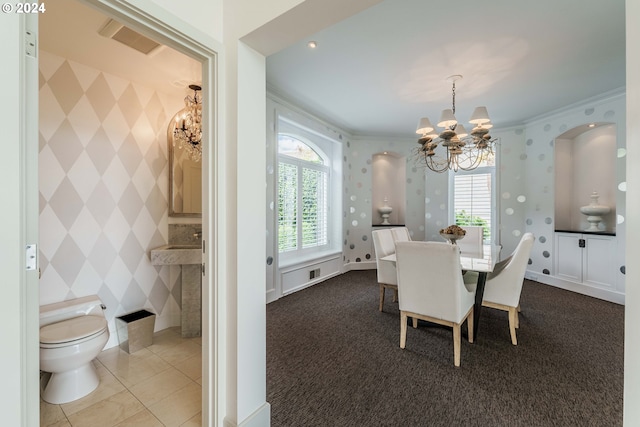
point(160, 385)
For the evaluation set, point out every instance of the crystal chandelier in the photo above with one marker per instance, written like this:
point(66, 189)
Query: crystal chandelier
point(463, 151)
point(187, 133)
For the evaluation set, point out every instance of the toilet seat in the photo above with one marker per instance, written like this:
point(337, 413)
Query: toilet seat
point(71, 331)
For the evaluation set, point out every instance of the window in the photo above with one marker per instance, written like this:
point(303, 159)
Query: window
point(473, 197)
point(303, 196)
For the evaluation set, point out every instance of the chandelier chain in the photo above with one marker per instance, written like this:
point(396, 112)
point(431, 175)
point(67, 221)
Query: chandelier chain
point(453, 97)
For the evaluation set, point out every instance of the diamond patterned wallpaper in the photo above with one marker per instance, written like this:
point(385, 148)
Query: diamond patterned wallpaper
point(103, 191)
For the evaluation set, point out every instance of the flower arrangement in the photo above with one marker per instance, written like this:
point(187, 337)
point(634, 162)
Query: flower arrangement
point(454, 230)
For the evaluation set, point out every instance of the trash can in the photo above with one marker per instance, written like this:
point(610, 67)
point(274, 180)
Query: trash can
point(135, 330)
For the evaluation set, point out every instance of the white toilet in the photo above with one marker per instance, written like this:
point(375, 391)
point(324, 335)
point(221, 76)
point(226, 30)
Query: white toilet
point(72, 334)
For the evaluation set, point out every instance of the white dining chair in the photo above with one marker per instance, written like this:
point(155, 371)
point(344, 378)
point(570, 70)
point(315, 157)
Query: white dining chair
point(472, 240)
point(401, 234)
point(504, 285)
point(384, 245)
point(430, 287)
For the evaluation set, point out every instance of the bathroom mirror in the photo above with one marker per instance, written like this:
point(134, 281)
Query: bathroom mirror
point(185, 181)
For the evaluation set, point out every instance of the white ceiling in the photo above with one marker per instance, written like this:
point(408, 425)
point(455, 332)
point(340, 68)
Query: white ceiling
point(379, 71)
point(70, 29)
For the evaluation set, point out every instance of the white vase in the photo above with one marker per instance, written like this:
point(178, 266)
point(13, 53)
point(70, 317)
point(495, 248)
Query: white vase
point(384, 212)
point(594, 212)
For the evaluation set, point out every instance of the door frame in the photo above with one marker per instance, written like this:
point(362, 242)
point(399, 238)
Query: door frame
point(152, 22)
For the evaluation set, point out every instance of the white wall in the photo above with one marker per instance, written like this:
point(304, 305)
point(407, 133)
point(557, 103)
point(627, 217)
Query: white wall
point(564, 193)
point(359, 202)
point(538, 181)
point(510, 187)
point(632, 313)
point(251, 314)
point(436, 204)
point(203, 15)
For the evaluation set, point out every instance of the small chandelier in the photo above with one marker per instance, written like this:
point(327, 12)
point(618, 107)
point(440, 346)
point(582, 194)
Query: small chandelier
point(187, 132)
point(463, 151)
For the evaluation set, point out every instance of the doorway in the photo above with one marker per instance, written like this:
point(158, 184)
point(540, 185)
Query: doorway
point(101, 210)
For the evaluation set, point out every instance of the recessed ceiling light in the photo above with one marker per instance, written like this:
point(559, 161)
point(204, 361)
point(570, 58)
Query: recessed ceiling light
point(312, 44)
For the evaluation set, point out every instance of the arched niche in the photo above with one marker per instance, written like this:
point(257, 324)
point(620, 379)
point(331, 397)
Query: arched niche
point(585, 162)
point(389, 177)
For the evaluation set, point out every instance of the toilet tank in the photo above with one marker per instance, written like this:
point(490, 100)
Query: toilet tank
point(84, 306)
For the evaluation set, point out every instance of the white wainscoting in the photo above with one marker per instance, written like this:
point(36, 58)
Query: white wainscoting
point(299, 276)
point(558, 282)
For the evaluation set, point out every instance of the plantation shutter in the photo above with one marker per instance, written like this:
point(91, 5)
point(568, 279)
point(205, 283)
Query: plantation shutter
point(314, 208)
point(287, 207)
point(303, 197)
point(472, 200)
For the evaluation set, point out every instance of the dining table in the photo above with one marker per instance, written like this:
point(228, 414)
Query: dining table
point(482, 262)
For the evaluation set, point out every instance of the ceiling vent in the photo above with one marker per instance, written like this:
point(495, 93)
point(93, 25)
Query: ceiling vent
point(116, 31)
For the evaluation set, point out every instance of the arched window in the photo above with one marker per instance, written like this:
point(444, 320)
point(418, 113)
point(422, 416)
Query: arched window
point(303, 195)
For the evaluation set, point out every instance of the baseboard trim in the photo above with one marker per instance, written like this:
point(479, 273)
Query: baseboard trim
point(271, 295)
point(367, 265)
point(580, 288)
point(311, 283)
point(261, 417)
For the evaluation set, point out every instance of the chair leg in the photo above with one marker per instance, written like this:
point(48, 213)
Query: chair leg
point(381, 296)
point(513, 316)
point(403, 329)
point(456, 344)
point(470, 325)
point(395, 295)
point(415, 322)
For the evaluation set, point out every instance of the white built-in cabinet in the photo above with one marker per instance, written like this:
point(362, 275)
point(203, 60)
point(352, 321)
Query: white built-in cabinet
point(588, 259)
point(584, 261)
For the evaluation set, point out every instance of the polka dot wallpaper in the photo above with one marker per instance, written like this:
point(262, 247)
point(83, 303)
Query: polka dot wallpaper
point(535, 195)
point(525, 185)
point(358, 155)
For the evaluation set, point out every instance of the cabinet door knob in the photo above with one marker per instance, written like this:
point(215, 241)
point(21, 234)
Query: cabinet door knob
point(582, 243)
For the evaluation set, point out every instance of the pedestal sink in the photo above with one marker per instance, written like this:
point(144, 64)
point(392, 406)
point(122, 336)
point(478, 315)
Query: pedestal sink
point(594, 212)
point(176, 255)
point(189, 259)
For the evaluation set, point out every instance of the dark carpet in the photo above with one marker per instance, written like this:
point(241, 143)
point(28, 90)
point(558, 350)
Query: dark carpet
point(334, 360)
